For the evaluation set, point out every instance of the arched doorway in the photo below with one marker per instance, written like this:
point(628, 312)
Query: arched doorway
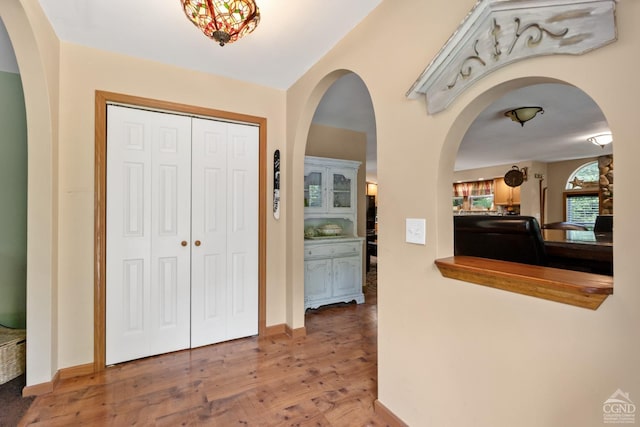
point(13, 190)
point(294, 208)
point(339, 141)
point(342, 136)
point(41, 194)
point(342, 129)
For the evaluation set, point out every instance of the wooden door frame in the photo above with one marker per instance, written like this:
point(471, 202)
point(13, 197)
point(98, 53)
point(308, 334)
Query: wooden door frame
point(100, 205)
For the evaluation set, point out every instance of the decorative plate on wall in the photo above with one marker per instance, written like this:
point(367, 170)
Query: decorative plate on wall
point(514, 177)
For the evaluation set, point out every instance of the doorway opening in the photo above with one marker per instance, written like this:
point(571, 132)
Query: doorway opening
point(342, 128)
point(13, 229)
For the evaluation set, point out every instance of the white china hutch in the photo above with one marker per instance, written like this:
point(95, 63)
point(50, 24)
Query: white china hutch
point(333, 251)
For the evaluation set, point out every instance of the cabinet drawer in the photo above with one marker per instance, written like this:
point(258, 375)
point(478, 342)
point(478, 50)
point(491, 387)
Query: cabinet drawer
point(352, 248)
point(332, 250)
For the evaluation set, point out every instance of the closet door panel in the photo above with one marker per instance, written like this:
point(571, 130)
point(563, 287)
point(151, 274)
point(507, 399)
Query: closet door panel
point(208, 223)
point(225, 221)
point(128, 258)
point(242, 231)
point(147, 269)
point(171, 226)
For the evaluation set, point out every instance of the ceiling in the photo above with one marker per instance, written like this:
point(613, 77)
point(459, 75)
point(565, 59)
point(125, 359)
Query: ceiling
point(347, 105)
point(284, 47)
point(290, 38)
point(570, 117)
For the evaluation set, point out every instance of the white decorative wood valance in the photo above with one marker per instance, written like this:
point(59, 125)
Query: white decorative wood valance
point(499, 32)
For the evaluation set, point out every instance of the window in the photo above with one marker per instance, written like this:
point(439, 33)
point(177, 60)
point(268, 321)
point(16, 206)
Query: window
point(582, 199)
point(473, 196)
point(582, 208)
point(457, 202)
point(482, 203)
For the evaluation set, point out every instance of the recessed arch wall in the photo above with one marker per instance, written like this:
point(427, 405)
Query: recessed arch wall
point(36, 72)
point(454, 138)
point(458, 119)
point(533, 192)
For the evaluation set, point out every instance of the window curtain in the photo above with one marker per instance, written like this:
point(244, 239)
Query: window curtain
point(475, 188)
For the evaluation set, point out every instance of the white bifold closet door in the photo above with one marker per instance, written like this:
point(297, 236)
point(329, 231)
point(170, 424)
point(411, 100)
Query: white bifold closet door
point(224, 268)
point(182, 232)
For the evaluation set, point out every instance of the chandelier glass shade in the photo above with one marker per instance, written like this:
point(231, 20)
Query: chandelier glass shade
point(523, 114)
point(223, 21)
point(601, 140)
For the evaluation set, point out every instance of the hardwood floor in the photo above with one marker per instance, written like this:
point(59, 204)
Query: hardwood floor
point(328, 378)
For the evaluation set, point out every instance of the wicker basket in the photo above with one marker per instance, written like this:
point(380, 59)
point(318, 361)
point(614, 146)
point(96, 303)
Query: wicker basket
point(12, 353)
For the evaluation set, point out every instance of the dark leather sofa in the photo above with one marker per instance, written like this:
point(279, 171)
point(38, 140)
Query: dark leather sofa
point(604, 224)
point(507, 238)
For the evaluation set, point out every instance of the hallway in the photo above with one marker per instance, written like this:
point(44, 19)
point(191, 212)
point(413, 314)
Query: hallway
point(328, 378)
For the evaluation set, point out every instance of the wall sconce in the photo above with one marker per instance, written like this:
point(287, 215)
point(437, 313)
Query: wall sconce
point(601, 140)
point(372, 189)
point(523, 114)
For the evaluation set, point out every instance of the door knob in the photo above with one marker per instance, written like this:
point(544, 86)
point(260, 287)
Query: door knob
point(184, 243)
point(198, 243)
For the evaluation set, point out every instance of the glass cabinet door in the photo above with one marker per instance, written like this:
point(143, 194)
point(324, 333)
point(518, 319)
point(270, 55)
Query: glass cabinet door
point(342, 197)
point(314, 189)
point(329, 190)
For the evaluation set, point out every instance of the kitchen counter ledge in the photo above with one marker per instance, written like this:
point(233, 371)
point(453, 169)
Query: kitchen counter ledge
point(576, 288)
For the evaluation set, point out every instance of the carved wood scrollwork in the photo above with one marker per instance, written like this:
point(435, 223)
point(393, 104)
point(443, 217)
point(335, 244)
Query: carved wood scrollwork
point(497, 33)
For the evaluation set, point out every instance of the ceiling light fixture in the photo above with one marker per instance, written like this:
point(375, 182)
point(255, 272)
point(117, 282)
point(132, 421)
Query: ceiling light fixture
point(601, 140)
point(523, 114)
point(223, 21)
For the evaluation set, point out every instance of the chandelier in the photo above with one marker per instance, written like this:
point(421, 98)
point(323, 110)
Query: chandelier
point(523, 114)
point(223, 21)
point(601, 140)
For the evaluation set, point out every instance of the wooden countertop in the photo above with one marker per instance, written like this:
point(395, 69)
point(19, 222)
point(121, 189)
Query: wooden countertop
point(576, 288)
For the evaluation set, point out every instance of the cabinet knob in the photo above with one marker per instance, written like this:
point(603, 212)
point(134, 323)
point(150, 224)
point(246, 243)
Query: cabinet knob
point(184, 243)
point(198, 243)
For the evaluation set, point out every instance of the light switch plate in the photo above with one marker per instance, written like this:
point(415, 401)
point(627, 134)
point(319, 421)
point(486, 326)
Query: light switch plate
point(416, 231)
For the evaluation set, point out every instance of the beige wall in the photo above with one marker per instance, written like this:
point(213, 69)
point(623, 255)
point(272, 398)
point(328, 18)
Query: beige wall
point(325, 141)
point(453, 353)
point(83, 71)
point(450, 353)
